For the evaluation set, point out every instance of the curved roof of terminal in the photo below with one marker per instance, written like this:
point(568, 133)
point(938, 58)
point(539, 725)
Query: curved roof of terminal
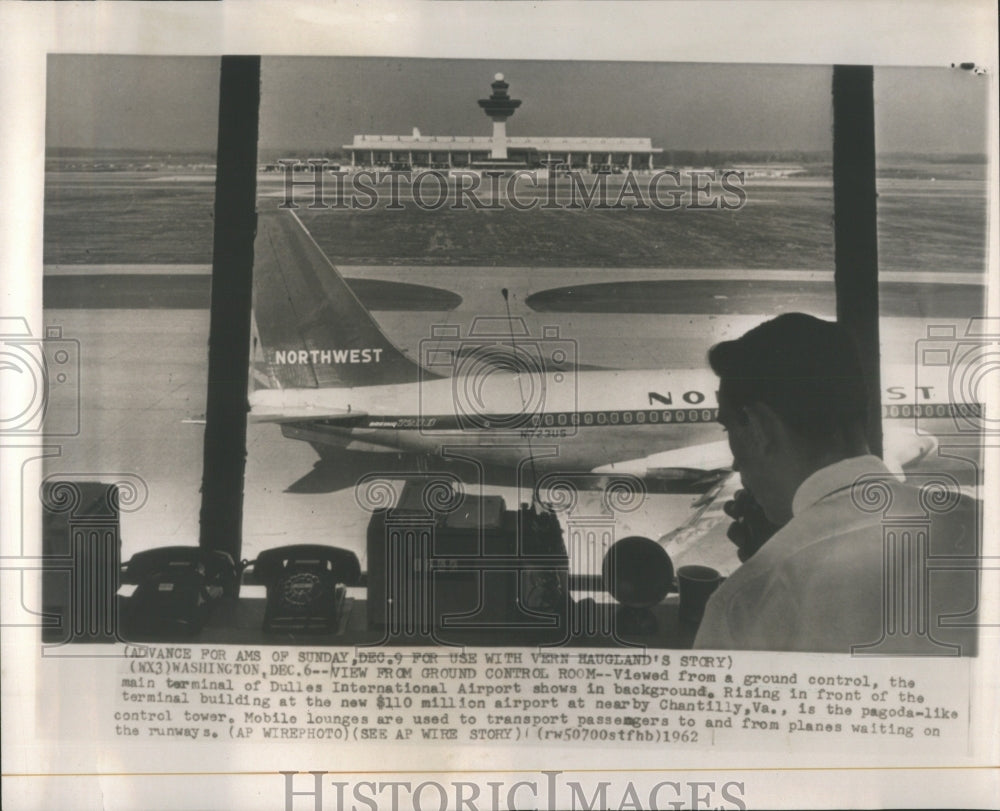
point(480, 142)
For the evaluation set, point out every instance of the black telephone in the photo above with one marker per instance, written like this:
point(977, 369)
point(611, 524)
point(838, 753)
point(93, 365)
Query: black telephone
point(305, 586)
point(177, 587)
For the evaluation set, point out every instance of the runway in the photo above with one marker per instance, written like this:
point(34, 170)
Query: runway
point(644, 319)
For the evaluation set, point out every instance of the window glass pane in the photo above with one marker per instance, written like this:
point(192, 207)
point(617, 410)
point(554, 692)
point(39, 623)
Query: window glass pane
point(129, 190)
point(616, 219)
point(931, 139)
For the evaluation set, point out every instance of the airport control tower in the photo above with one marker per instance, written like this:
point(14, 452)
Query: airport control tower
point(499, 107)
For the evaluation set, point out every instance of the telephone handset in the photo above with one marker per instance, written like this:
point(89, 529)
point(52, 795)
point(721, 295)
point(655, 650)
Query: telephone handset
point(176, 588)
point(305, 586)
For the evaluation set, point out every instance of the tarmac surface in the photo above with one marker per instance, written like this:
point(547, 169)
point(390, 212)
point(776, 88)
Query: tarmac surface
point(634, 291)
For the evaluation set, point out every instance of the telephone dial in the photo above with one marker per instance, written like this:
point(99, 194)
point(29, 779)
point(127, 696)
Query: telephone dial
point(176, 589)
point(305, 586)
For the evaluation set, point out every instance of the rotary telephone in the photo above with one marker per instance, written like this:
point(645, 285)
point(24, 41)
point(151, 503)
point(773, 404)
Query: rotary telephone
point(305, 586)
point(176, 589)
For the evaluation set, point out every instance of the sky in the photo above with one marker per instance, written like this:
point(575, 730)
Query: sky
point(311, 103)
point(132, 102)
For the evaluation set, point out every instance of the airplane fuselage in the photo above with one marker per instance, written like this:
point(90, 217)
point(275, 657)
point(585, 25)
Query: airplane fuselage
point(560, 420)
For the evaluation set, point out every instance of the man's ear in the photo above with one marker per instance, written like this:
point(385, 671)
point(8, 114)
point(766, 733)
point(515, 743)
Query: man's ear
point(766, 429)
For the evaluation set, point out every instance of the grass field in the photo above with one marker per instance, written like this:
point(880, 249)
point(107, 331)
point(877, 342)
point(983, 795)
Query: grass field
point(103, 218)
point(112, 217)
point(792, 231)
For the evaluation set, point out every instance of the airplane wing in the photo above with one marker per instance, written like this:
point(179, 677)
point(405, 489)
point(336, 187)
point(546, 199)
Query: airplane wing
point(278, 414)
point(692, 469)
point(701, 538)
point(296, 405)
point(903, 447)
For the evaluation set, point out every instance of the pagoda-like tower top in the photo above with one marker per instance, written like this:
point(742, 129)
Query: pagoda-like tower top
point(499, 106)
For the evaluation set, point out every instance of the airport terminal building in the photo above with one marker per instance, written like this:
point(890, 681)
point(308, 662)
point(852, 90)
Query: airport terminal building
point(448, 151)
point(498, 150)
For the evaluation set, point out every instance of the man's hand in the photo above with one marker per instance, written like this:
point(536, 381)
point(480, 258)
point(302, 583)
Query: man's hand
point(750, 527)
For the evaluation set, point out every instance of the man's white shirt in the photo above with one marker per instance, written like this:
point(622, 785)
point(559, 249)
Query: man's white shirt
point(829, 579)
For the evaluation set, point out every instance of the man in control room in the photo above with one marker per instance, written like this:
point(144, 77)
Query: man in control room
point(793, 401)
